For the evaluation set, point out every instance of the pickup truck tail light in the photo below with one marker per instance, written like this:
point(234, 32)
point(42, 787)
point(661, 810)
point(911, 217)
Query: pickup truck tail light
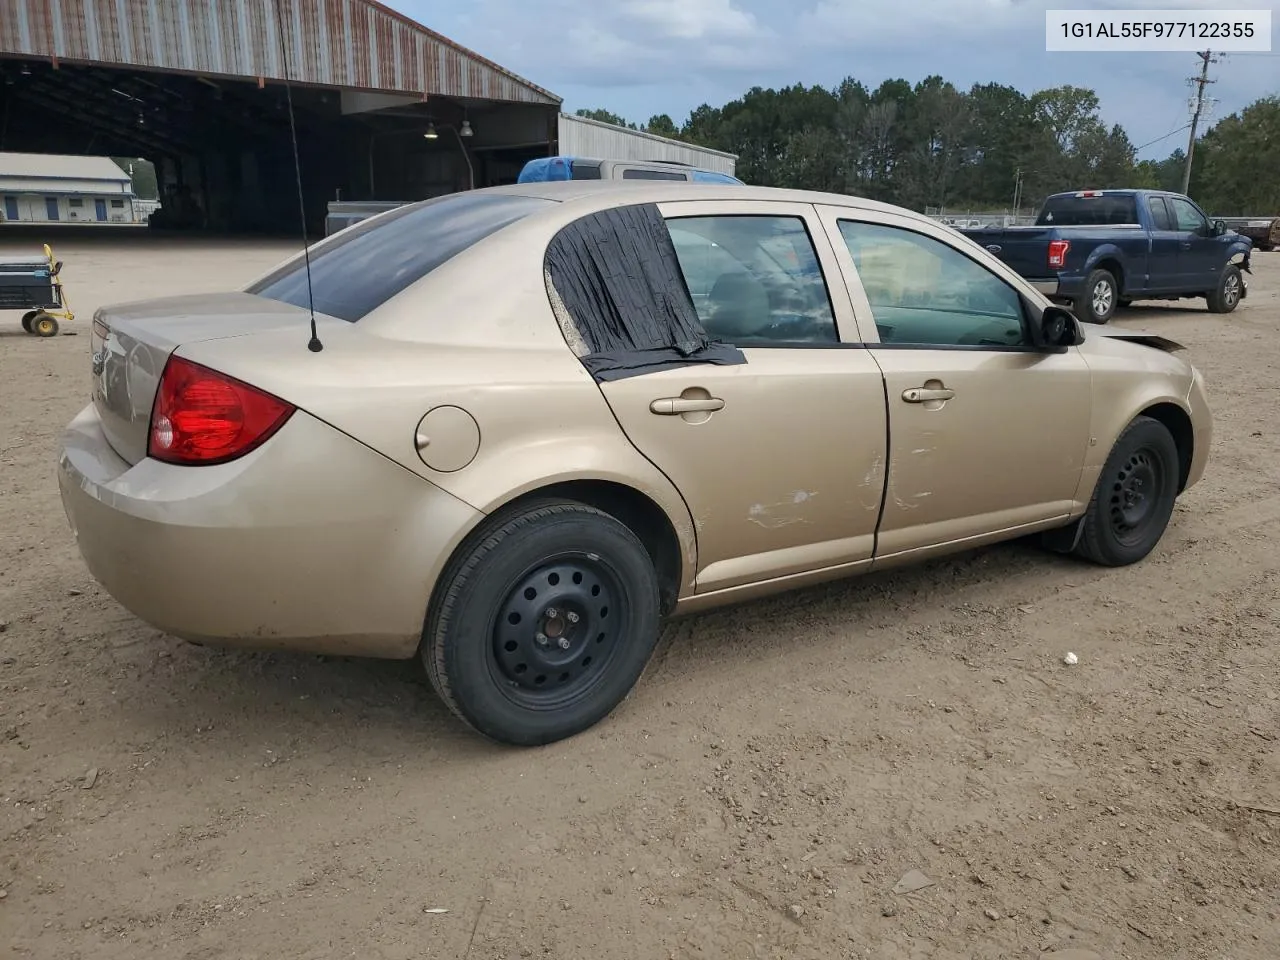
point(1058, 253)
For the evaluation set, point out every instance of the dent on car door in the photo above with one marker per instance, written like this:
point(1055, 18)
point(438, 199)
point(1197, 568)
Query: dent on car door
point(779, 457)
point(987, 435)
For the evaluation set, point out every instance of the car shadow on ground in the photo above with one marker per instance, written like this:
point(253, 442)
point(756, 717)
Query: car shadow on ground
point(255, 697)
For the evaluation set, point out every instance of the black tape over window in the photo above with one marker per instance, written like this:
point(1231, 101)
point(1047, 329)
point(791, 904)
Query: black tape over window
point(617, 274)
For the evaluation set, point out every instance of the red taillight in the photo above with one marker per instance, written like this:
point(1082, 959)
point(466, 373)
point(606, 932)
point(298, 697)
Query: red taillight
point(1058, 252)
point(201, 416)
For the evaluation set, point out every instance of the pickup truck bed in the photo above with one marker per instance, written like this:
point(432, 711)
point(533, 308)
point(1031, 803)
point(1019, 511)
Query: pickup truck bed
point(1097, 250)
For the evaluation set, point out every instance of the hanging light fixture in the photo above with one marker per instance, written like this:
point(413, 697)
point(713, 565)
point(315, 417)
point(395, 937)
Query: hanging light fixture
point(431, 132)
point(466, 130)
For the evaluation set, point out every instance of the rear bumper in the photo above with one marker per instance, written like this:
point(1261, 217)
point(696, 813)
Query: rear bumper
point(1059, 288)
point(312, 542)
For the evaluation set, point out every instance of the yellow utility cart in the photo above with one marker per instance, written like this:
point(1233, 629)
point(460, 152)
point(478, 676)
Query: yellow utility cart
point(31, 284)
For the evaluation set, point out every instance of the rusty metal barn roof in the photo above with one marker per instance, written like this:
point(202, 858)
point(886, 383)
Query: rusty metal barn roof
point(359, 44)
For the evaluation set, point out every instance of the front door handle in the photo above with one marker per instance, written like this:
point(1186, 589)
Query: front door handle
point(925, 394)
point(674, 406)
point(1186, 244)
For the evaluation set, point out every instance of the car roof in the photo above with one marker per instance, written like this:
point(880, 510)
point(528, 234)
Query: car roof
point(623, 192)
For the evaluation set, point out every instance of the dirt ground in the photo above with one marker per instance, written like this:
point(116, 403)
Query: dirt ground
point(781, 767)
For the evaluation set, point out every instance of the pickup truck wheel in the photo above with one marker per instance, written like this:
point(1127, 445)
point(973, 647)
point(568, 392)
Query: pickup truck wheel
point(544, 623)
point(1226, 296)
point(1098, 302)
point(1133, 499)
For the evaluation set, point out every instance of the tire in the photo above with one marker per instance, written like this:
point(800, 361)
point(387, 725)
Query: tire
point(502, 646)
point(43, 325)
point(1226, 296)
point(27, 318)
point(1098, 302)
point(1134, 496)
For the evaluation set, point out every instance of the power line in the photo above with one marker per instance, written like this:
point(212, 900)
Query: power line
point(1200, 83)
point(1158, 139)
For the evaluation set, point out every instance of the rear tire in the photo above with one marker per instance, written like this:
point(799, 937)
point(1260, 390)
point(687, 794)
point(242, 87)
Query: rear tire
point(1133, 499)
point(27, 318)
point(1097, 304)
point(44, 325)
point(544, 624)
point(1226, 296)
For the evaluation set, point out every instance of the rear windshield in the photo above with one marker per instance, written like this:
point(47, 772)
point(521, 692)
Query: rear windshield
point(1069, 210)
point(367, 264)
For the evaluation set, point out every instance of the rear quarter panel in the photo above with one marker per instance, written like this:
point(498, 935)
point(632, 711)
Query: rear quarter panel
point(1126, 249)
point(477, 333)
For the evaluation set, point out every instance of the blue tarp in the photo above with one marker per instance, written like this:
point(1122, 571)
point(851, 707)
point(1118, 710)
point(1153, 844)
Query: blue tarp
point(543, 169)
point(547, 168)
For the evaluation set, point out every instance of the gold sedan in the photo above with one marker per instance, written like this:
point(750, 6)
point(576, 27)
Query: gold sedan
point(535, 421)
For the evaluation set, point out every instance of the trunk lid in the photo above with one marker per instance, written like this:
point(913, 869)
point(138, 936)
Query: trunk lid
point(130, 343)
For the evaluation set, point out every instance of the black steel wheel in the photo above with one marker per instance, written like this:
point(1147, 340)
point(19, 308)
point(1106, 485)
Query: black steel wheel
point(27, 318)
point(554, 636)
point(1134, 496)
point(543, 623)
point(1226, 296)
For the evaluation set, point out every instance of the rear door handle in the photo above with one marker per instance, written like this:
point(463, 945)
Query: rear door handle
point(925, 394)
point(1186, 244)
point(674, 406)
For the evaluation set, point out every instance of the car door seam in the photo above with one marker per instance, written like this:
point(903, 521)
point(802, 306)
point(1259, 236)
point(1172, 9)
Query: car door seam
point(888, 457)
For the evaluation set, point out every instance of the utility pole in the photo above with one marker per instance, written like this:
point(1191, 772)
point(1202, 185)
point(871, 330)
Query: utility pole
point(1199, 83)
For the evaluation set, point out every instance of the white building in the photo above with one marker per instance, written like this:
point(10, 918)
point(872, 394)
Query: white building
point(582, 137)
point(40, 188)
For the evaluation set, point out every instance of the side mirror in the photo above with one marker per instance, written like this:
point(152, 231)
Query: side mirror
point(1059, 329)
point(1219, 228)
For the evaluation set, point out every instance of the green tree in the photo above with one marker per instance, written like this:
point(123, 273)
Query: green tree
point(662, 125)
point(1240, 163)
point(605, 116)
point(143, 174)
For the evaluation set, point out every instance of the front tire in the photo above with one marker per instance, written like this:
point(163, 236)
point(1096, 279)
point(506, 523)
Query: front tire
point(1098, 302)
point(544, 624)
point(27, 318)
point(1226, 296)
point(1134, 496)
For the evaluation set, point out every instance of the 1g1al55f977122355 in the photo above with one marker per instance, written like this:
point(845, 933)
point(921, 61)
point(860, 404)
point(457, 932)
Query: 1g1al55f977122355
point(1157, 30)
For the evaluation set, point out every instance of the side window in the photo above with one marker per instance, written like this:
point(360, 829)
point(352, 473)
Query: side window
point(1160, 217)
point(755, 280)
point(639, 173)
point(925, 292)
point(711, 176)
point(1188, 217)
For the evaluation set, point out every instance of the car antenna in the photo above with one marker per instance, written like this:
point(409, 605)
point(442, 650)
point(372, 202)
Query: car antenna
point(314, 344)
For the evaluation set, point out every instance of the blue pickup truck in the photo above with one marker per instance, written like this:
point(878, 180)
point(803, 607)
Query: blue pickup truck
point(1096, 250)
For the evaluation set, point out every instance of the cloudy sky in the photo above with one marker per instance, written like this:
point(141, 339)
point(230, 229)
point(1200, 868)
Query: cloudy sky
point(641, 57)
